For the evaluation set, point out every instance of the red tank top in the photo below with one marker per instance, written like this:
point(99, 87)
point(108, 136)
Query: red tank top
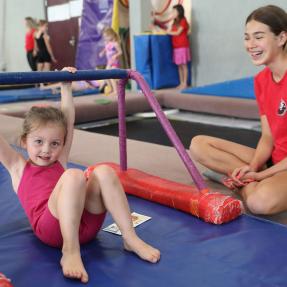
point(36, 185)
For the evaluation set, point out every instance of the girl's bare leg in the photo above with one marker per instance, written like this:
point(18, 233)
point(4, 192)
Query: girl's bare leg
point(180, 73)
point(47, 66)
point(113, 84)
point(40, 67)
point(67, 204)
point(184, 76)
point(268, 196)
point(105, 191)
point(220, 155)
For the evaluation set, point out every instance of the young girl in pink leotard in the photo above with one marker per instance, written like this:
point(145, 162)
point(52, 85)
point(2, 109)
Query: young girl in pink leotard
point(64, 208)
point(113, 52)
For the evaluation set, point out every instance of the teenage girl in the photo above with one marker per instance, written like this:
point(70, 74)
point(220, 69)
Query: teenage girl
point(65, 209)
point(265, 42)
point(113, 52)
point(43, 48)
point(180, 44)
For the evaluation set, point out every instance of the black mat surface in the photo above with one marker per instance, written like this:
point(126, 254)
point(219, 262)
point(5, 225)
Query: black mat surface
point(150, 130)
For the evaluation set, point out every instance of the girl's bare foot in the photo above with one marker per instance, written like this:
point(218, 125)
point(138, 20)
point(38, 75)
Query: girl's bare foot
point(73, 267)
point(181, 87)
point(143, 250)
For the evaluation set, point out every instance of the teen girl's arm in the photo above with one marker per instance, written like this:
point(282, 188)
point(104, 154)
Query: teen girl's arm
point(262, 154)
point(49, 47)
point(68, 108)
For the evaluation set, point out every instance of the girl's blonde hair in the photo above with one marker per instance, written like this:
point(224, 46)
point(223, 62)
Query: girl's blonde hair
point(108, 31)
point(41, 116)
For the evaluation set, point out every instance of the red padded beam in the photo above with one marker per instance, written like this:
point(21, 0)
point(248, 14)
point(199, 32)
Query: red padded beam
point(210, 206)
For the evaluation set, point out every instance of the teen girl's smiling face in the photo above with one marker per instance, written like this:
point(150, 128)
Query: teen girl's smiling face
point(44, 144)
point(261, 43)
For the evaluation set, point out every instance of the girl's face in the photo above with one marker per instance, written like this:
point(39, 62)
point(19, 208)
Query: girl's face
point(44, 144)
point(174, 13)
point(44, 28)
point(108, 38)
point(261, 44)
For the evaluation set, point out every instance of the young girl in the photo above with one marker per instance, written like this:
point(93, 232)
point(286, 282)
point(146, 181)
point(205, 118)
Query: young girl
point(113, 52)
point(180, 44)
point(64, 208)
point(266, 166)
point(31, 27)
point(75, 85)
point(43, 49)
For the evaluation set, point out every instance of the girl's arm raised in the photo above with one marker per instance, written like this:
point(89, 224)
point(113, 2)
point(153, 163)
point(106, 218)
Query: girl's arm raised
point(13, 161)
point(68, 108)
point(8, 156)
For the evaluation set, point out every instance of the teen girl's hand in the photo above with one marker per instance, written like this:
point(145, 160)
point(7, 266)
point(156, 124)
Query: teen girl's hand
point(238, 174)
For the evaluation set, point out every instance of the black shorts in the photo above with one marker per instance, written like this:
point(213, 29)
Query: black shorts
point(44, 57)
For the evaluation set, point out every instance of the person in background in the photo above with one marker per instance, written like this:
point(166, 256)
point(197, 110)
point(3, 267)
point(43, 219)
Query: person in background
point(76, 86)
point(113, 52)
point(180, 44)
point(31, 27)
point(43, 49)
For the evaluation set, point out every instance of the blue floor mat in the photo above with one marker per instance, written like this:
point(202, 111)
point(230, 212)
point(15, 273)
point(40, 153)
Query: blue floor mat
point(245, 252)
point(242, 88)
point(31, 94)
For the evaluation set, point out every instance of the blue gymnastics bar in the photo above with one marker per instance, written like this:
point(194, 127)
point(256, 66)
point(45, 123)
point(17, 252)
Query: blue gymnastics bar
point(59, 76)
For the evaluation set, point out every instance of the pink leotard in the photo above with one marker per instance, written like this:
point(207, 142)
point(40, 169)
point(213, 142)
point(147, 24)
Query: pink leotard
point(35, 188)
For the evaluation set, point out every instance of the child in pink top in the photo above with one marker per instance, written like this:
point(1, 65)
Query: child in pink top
point(113, 52)
point(64, 208)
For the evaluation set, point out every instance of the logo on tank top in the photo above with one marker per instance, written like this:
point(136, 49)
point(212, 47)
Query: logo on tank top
point(282, 108)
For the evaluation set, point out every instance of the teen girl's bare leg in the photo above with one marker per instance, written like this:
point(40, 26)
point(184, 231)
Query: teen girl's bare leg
point(67, 203)
point(268, 196)
point(220, 155)
point(106, 192)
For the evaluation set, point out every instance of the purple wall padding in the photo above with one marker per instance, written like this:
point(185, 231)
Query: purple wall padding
point(97, 14)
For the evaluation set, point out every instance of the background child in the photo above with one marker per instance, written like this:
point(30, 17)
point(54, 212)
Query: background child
point(31, 27)
point(180, 44)
point(64, 208)
point(265, 166)
point(75, 85)
point(113, 52)
point(43, 49)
